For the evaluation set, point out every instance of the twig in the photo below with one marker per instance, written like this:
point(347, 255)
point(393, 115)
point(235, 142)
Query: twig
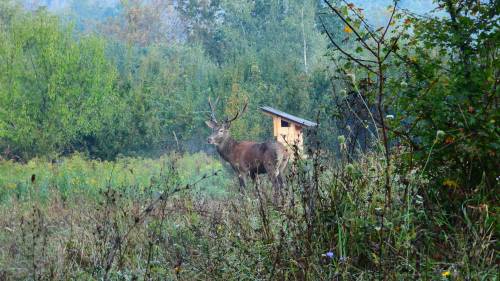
point(390, 20)
point(176, 141)
point(358, 61)
point(354, 30)
point(163, 196)
point(393, 48)
point(365, 24)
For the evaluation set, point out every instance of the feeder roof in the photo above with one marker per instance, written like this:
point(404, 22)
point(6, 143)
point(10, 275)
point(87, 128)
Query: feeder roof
point(288, 117)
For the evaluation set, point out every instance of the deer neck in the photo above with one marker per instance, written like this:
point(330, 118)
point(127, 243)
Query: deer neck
point(226, 148)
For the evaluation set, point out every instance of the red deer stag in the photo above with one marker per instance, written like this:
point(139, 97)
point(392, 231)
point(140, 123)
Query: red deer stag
point(247, 158)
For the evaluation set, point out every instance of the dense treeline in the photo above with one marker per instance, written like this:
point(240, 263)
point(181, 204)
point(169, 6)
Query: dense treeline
point(127, 82)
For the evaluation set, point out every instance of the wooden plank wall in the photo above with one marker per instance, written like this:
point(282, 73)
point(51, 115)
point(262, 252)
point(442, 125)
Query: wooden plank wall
point(276, 126)
point(293, 134)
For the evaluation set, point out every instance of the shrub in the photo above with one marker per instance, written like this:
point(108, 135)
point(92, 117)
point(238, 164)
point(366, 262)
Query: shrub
point(54, 90)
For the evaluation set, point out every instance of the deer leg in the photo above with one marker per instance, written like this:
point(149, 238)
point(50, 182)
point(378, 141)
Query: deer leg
point(280, 181)
point(282, 167)
point(241, 180)
point(275, 184)
point(276, 190)
point(253, 175)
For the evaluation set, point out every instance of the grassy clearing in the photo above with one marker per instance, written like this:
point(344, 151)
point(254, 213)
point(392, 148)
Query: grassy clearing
point(83, 177)
point(140, 219)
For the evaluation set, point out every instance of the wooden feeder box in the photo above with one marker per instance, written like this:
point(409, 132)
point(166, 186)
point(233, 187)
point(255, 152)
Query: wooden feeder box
point(287, 128)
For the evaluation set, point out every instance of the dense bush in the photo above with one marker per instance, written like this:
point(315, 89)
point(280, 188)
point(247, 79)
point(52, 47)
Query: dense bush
point(452, 86)
point(427, 86)
point(55, 89)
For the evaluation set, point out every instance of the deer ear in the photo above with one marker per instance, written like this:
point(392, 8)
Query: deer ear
point(210, 124)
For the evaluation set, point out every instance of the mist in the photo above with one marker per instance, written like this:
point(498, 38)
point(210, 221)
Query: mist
point(376, 10)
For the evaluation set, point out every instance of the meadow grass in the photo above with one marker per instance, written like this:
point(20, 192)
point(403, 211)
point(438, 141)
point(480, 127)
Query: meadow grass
point(78, 175)
point(182, 217)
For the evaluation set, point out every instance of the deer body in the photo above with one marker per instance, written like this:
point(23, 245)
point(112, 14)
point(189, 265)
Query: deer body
point(248, 158)
point(252, 158)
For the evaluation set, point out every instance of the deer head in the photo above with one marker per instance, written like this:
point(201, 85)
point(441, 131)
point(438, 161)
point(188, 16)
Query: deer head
point(220, 130)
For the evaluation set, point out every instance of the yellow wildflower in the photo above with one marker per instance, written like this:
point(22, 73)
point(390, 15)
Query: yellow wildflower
point(450, 183)
point(446, 273)
point(177, 269)
point(449, 140)
point(347, 29)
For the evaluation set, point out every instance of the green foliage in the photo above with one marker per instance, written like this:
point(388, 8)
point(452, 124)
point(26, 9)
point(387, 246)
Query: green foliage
point(54, 90)
point(79, 176)
point(202, 20)
point(154, 98)
point(272, 57)
point(452, 68)
point(162, 97)
point(415, 76)
point(425, 88)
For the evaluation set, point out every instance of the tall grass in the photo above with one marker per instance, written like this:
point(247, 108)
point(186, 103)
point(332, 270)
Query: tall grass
point(180, 218)
point(78, 175)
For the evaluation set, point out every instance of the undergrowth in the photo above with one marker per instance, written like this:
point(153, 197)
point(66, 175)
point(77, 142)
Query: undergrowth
point(180, 217)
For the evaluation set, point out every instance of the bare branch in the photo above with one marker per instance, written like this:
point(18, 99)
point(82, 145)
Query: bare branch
point(390, 20)
point(365, 24)
point(351, 27)
point(358, 61)
point(393, 48)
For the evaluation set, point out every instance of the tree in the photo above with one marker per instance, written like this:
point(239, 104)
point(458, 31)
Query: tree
point(202, 21)
point(54, 90)
point(436, 89)
point(144, 23)
point(453, 74)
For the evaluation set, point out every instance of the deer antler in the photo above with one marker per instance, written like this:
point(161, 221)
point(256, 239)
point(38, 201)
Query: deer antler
point(238, 113)
point(212, 108)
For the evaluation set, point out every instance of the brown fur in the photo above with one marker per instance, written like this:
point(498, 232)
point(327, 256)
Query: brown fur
point(250, 158)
